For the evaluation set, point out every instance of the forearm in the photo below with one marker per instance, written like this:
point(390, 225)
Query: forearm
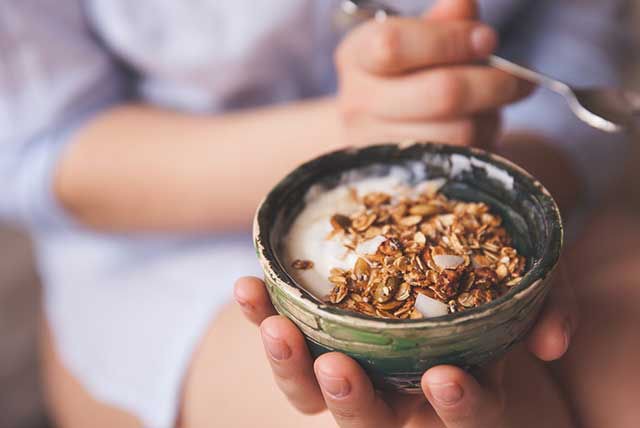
point(139, 168)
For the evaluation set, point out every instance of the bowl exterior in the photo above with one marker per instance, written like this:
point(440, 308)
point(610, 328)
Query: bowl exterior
point(396, 358)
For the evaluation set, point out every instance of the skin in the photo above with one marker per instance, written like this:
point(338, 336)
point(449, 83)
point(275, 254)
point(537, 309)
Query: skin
point(404, 62)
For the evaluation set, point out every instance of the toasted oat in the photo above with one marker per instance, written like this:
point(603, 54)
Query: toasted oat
point(454, 252)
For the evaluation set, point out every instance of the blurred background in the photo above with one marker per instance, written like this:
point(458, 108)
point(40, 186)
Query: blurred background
point(21, 404)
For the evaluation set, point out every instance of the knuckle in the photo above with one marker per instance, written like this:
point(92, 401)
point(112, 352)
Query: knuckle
point(448, 92)
point(344, 413)
point(457, 47)
point(385, 45)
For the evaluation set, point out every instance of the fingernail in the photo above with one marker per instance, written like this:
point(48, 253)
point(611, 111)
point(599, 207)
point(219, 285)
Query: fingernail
point(337, 387)
point(483, 40)
point(446, 393)
point(277, 349)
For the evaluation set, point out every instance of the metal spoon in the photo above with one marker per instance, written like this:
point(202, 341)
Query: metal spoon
point(607, 109)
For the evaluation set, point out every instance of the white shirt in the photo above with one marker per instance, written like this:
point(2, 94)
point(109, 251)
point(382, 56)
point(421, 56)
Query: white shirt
point(126, 311)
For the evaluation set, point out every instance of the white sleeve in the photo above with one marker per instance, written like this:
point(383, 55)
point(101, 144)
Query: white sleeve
point(27, 168)
point(56, 77)
point(26, 171)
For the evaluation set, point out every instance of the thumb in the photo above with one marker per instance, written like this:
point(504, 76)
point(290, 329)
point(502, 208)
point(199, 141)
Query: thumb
point(453, 9)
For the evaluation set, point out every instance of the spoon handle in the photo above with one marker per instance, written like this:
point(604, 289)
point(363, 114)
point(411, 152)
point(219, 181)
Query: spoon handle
point(528, 74)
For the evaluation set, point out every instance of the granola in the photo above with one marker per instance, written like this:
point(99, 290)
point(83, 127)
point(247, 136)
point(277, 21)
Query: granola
point(443, 254)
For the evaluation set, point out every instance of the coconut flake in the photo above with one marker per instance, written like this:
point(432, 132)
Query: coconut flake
point(447, 261)
point(429, 307)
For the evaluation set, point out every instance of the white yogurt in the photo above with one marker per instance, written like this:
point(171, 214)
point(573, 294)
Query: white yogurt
point(307, 237)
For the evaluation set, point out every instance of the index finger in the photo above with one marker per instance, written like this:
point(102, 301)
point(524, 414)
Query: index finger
point(403, 44)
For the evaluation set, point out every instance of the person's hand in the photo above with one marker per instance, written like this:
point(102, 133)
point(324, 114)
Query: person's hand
point(337, 382)
point(419, 79)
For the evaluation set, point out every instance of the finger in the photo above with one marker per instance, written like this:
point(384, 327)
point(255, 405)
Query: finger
point(453, 9)
point(251, 294)
point(402, 44)
point(349, 394)
point(436, 94)
point(291, 364)
point(460, 401)
point(479, 131)
point(551, 336)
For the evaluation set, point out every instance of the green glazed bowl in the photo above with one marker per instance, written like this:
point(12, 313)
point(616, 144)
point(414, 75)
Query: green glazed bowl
point(396, 353)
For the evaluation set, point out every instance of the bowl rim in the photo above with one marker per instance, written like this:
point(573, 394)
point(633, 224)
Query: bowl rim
point(531, 282)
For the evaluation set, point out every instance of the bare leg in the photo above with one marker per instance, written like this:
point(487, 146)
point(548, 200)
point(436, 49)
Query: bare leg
point(230, 382)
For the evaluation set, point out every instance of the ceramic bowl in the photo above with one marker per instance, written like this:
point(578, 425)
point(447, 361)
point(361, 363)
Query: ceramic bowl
point(396, 353)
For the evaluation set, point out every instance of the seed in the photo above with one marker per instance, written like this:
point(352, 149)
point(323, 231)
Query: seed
point(362, 269)
point(338, 279)
point(446, 219)
point(338, 293)
point(415, 315)
point(375, 199)
point(401, 263)
point(391, 304)
point(481, 261)
point(404, 291)
point(302, 264)
point(424, 210)
point(514, 281)
point(372, 232)
point(411, 220)
point(340, 222)
point(466, 300)
point(363, 221)
point(390, 247)
point(502, 271)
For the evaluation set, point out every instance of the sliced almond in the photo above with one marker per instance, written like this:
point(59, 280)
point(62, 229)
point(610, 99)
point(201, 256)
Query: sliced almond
point(448, 261)
point(429, 307)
